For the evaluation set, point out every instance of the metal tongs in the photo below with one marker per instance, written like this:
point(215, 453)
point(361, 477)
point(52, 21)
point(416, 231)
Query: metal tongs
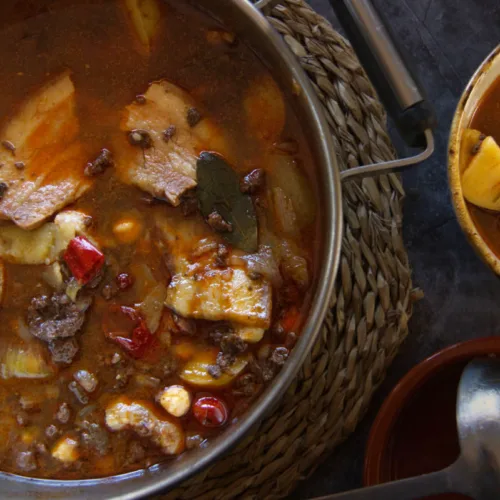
point(390, 72)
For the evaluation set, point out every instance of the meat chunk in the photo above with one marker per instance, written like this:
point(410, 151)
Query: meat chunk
point(103, 161)
point(201, 289)
point(44, 135)
point(26, 461)
point(56, 317)
point(63, 351)
point(142, 418)
point(95, 437)
point(166, 168)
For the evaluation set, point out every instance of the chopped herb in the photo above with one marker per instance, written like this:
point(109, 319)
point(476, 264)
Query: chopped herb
point(169, 133)
point(9, 146)
point(3, 189)
point(193, 117)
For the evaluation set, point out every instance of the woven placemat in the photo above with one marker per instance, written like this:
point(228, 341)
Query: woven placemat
point(371, 305)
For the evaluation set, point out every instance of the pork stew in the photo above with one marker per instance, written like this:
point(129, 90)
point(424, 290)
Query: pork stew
point(157, 233)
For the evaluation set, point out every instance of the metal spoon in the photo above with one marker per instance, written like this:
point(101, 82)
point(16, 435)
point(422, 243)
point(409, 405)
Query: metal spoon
point(477, 471)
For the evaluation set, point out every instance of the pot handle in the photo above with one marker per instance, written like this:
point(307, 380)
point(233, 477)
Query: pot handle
point(387, 67)
point(390, 73)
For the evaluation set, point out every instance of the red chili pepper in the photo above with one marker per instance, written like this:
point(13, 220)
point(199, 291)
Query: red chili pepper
point(84, 259)
point(210, 411)
point(140, 342)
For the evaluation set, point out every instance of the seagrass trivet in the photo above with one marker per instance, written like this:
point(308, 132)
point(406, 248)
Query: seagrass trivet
point(371, 305)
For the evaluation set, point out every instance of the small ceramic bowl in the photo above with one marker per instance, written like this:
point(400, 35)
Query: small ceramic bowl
point(415, 431)
point(479, 84)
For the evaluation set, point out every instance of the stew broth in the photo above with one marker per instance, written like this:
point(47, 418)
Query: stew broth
point(53, 414)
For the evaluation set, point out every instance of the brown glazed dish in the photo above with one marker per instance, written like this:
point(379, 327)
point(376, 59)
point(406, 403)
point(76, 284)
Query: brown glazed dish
point(415, 430)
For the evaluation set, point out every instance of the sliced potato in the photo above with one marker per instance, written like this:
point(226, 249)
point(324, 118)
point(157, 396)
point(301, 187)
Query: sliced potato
point(481, 180)
point(195, 371)
point(42, 245)
point(470, 139)
point(249, 334)
point(26, 361)
point(2, 280)
point(145, 17)
point(284, 173)
point(28, 247)
point(265, 111)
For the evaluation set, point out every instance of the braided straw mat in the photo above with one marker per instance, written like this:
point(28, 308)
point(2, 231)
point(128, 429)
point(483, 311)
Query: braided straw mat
point(371, 305)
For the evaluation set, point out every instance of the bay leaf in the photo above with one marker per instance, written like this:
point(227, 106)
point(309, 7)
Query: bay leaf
point(219, 189)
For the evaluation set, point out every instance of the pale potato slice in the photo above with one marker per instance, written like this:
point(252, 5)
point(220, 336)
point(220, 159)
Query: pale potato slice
point(265, 110)
point(470, 139)
point(249, 334)
point(145, 16)
point(481, 180)
point(24, 361)
point(42, 245)
point(195, 371)
point(284, 173)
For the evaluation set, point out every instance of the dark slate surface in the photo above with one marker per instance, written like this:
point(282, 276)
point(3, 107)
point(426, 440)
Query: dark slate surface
point(447, 39)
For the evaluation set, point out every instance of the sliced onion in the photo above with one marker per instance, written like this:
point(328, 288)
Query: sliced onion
point(262, 263)
point(73, 288)
point(23, 331)
point(284, 172)
point(152, 306)
point(204, 246)
point(284, 212)
point(294, 265)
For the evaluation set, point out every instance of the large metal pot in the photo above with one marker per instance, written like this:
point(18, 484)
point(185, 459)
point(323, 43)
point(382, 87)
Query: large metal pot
point(244, 19)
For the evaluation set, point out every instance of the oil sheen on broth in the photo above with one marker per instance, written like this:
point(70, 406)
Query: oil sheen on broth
point(143, 309)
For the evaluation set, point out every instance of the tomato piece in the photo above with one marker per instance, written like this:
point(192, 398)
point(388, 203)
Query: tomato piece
point(290, 319)
point(84, 259)
point(210, 411)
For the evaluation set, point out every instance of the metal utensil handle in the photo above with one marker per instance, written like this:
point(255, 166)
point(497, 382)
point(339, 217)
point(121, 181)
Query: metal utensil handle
point(388, 68)
point(404, 489)
point(260, 4)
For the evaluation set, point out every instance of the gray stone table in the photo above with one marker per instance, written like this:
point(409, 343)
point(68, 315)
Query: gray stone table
point(447, 39)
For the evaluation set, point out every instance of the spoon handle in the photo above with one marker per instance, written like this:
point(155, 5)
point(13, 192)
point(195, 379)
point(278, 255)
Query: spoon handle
point(404, 489)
